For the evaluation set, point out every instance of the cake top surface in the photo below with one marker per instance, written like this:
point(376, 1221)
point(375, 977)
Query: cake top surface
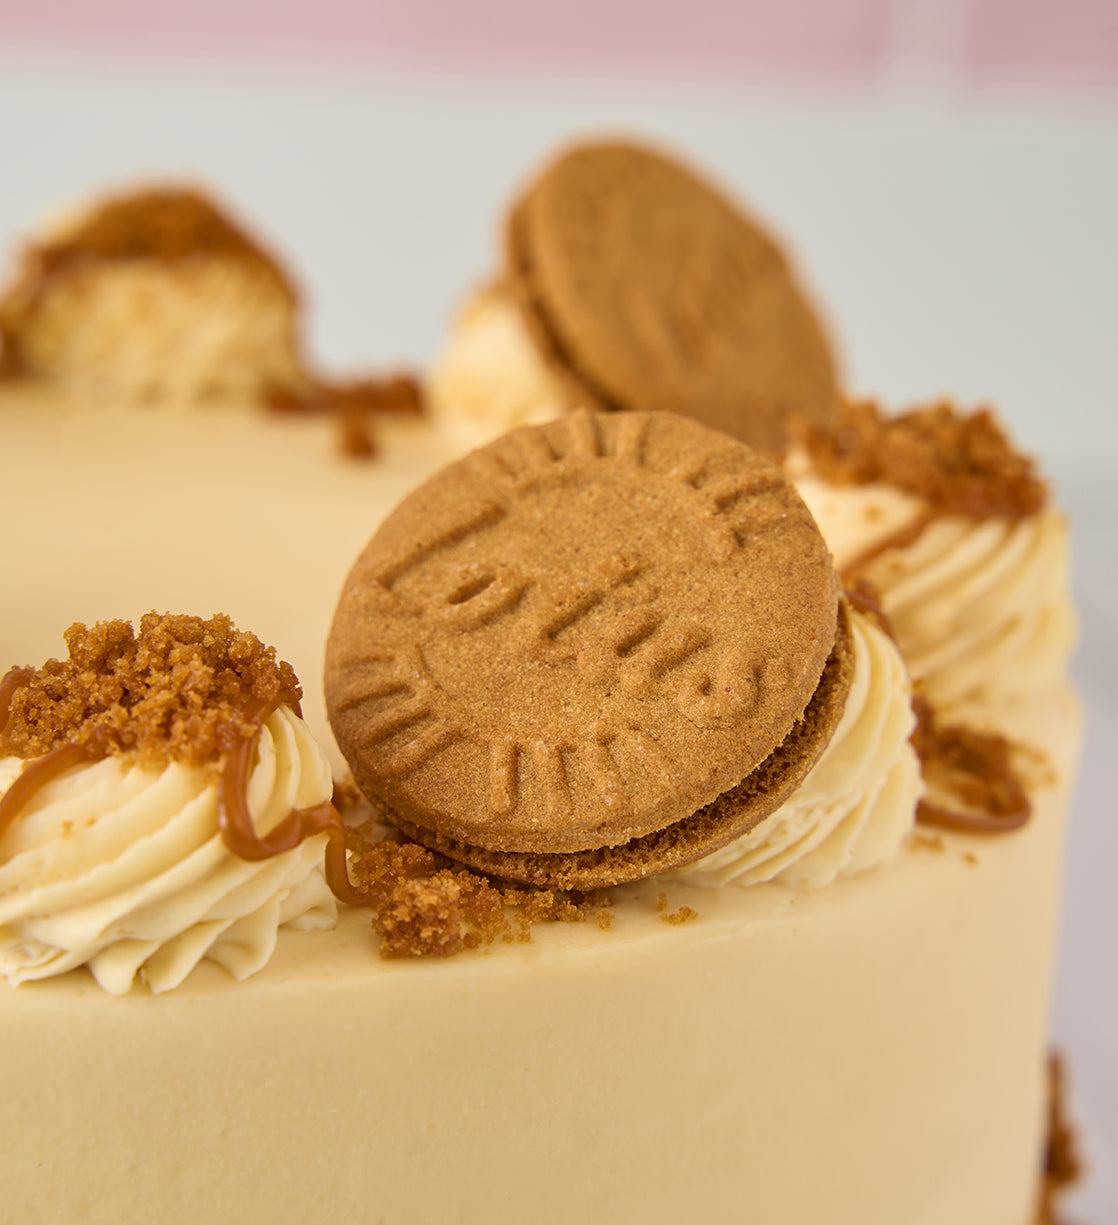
point(181, 688)
point(958, 462)
point(651, 291)
point(580, 633)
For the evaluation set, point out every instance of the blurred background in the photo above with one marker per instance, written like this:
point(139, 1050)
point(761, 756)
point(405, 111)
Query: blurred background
point(945, 171)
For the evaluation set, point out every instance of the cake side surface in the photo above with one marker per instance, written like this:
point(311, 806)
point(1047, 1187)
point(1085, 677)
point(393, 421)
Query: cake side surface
point(868, 1050)
point(582, 1060)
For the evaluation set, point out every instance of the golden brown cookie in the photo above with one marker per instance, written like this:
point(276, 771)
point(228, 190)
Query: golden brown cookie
point(580, 636)
point(644, 288)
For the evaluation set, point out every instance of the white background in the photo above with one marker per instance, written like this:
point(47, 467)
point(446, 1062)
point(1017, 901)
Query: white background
point(962, 245)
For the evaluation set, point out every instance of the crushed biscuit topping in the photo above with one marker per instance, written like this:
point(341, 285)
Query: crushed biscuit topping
point(971, 777)
point(683, 915)
point(176, 690)
point(425, 906)
point(958, 462)
point(1062, 1165)
point(160, 223)
point(354, 404)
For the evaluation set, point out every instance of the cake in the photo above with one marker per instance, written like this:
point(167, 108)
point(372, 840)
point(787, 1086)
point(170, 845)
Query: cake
point(759, 1034)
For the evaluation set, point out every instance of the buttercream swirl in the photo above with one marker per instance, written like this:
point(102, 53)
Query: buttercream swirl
point(857, 805)
point(981, 607)
point(141, 330)
point(122, 868)
point(489, 377)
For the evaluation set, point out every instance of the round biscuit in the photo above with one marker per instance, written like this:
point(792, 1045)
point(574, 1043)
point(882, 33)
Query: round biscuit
point(580, 634)
point(731, 815)
point(645, 288)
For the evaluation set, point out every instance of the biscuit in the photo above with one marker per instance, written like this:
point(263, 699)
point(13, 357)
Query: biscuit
point(582, 634)
point(644, 288)
point(731, 815)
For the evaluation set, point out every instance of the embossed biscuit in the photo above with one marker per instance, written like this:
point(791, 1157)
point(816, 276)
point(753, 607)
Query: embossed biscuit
point(732, 814)
point(579, 635)
point(644, 288)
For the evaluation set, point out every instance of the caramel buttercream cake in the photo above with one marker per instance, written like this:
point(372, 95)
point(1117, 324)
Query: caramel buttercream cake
point(660, 915)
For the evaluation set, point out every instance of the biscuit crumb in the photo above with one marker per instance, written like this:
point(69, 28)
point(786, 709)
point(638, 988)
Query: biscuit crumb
point(354, 404)
point(175, 691)
point(921, 841)
point(1062, 1165)
point(425, 906)
point(971, 777)
point(347, 795)
point(167, 223)
point(960, 463)
point(661, 901)
point(683, 915)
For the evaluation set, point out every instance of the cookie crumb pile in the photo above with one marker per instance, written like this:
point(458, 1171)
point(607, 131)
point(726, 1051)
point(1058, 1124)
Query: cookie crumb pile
point(960, 463)
point(175, 690)
point(425, 906)
point(973, 783)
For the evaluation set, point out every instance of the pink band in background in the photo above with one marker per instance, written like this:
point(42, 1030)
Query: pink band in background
point(1037, 41)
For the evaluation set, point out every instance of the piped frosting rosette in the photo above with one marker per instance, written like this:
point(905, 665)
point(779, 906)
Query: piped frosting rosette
point(489, 378)
point(121, 863)
point(855, 809)
point(956, 535)
point(123, 868)
point(152, 296)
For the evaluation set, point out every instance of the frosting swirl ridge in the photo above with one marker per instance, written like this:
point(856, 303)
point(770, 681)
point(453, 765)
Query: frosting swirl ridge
point(121, 867)
point(858, 804)
point(980, 606)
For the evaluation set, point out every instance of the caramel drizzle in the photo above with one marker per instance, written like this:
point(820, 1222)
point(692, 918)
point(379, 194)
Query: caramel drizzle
point(353, 404)
point(37, 773)
point(983, 762)
point(12, 680)
point(974, 823)
point(233, 817)
point(900, 539)
point(237, 830)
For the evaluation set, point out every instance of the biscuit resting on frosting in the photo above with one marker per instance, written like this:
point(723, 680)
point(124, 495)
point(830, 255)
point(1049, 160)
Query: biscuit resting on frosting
point(591, 651)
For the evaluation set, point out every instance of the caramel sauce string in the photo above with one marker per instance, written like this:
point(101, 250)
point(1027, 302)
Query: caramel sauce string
point(239, 834)
point(12, 680)
point(233, 816)
point(976, 762)
point(973, 822)
point(37, 773)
